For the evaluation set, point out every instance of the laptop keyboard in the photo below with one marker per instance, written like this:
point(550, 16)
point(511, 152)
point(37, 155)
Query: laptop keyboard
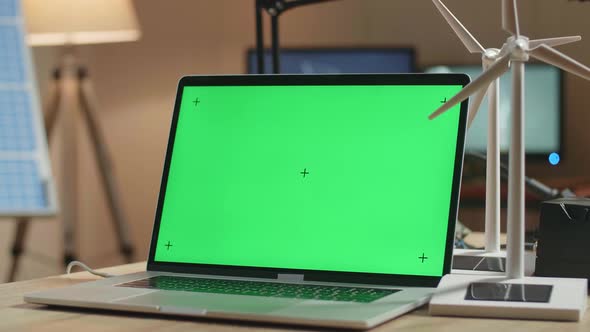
point(260, 288)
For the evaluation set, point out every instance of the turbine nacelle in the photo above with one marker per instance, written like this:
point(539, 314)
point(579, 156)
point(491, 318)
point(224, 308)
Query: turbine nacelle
point(489, 56)
point(518, 48)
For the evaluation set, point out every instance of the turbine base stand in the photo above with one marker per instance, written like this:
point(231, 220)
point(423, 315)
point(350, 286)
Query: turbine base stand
point(525, 298)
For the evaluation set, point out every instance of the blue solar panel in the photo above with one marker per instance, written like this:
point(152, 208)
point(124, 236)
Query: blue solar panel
point(8, 8)
point(16, 130)
point(11, 58)
point(24, 175)
point(25, 185)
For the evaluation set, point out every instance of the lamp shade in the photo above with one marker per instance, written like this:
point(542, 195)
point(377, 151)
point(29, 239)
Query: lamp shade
point(72, 22)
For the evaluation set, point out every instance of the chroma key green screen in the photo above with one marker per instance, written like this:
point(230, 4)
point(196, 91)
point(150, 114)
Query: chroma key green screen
point(333, 178)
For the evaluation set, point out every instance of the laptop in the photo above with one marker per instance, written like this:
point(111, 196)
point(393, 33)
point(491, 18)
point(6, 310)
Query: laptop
point(324, 200)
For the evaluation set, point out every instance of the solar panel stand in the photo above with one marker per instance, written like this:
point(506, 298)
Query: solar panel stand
point(52, 103)
point(72, 91)
point(22, 225)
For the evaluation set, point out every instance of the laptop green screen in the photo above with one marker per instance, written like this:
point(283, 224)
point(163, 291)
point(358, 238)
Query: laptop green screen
point(331, 178)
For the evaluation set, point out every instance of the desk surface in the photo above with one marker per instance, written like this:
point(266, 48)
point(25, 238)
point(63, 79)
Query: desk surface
point(16, 315)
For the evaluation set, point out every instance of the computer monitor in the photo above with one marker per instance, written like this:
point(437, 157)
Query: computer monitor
point(543, 111)
point(337, 60)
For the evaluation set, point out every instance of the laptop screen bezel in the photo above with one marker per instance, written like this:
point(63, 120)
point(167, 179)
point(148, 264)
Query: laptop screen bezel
point(302, 80)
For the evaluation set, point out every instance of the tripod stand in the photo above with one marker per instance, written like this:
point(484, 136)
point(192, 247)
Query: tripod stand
point(71, 91)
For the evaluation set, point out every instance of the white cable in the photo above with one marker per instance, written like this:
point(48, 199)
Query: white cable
point(87, 268)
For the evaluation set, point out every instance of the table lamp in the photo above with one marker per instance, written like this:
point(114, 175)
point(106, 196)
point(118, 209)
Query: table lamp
point(69, 23)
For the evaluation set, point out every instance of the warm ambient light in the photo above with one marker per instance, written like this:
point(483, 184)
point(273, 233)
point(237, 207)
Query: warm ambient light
point(73, 22)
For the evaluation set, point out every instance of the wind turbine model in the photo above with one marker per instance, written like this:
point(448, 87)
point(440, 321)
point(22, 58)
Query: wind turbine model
point(513, 296)
point(489, 57)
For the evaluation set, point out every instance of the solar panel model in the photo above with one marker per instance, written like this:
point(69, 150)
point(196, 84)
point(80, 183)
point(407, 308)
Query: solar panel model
point(26, 185)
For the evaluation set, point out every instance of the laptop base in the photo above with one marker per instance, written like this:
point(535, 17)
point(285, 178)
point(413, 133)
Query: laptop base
point(102, 294)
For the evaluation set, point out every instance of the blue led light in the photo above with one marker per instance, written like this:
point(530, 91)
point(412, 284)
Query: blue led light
point(554, 158)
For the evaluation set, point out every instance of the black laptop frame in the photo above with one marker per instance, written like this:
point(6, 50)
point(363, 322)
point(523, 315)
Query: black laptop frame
point(316, 275)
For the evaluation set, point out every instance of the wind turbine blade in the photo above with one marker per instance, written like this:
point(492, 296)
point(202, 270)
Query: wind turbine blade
point(510, 17)
point(474, 105)
point(554, 41)
point(466, 37)
point(558, 59)
point(481, 83)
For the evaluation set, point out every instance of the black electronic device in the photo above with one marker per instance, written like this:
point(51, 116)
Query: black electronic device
point(544, 112)
point(564, 238)
point(338, 60)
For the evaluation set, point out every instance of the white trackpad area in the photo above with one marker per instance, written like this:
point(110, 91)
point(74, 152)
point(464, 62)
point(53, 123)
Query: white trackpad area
point(200, 303)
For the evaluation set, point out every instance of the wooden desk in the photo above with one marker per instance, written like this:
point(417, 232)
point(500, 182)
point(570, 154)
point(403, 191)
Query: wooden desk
point(16, 315)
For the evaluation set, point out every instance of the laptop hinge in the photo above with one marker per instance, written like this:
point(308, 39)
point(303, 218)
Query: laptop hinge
point(290, 277)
